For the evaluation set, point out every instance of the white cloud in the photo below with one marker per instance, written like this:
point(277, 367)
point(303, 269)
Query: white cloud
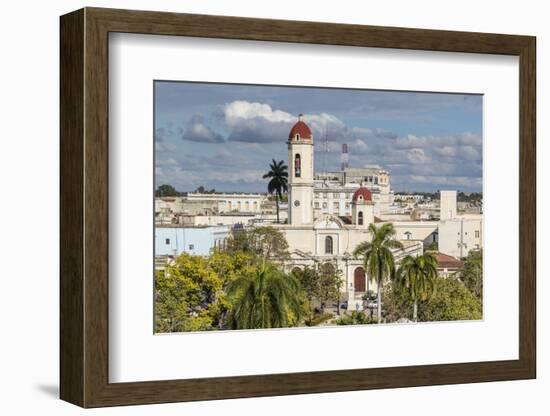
point(163, 146)
point(417, 156)
point(237, 111)
point(448, 151)
point(198, 131)
point(359, 146)
point(166, 162)
point(469, 153)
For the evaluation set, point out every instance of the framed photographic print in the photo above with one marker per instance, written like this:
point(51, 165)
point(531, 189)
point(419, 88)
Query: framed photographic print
point(256, 207)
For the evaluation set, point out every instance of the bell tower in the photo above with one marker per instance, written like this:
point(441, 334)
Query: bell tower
point(362, 208)
point(300, 162)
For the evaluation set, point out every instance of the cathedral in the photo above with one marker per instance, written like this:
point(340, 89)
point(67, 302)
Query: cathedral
point(321, 238)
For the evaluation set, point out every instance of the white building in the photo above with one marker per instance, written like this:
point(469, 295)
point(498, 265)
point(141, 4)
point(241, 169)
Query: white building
point(458, 234)
point(231, 202)
point(171, 210)
point(333, 190)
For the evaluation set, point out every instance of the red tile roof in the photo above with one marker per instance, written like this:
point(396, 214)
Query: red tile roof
point(302, 129)
point(362, 192)
point(445, 261)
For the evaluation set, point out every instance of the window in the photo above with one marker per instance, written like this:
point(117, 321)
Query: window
point(360, 218)
point(297, 165)
point(328, 244)
point(477, 233)
point(324, 204)
point(167, 241)
point(408, 235)
point(336, 205)
point(316, 204)
point(335, 195)
point(191, 246)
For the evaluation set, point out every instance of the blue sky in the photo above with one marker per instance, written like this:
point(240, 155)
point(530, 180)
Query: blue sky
point(223, 136)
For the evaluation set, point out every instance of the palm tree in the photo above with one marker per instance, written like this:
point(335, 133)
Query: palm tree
point(416, 277)
point(266, 299)
point(378, 257)
point(278, 184)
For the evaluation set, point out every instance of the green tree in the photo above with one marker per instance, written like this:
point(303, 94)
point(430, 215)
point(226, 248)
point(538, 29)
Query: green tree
point(309, 280)
point(186, 295)
point(416, 277)
point(202, 190)
point(266, 299)
point(265, 242)
point(472, 274)
point(378, 257)
point(330, 284)
point(451, 301)
point(321, 284)
point(166, 190)
point(190, 292)
point(278, 181)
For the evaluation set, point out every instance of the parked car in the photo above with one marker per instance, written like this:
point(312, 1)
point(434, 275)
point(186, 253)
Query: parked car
point(344, 305)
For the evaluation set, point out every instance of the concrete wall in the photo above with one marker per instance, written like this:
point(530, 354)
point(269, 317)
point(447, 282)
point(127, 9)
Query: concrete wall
point(460, 235)
point(447, 205)
point(419, 230)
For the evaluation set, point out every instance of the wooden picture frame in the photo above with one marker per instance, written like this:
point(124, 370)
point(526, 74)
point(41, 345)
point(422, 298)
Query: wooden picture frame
point(84, 207)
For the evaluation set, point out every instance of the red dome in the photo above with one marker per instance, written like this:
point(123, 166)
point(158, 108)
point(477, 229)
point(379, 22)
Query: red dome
point(302, 129)
point(362, 192)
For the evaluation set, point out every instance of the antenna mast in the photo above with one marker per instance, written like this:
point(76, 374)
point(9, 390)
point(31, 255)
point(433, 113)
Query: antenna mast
point(325, 153)
point(344, 158)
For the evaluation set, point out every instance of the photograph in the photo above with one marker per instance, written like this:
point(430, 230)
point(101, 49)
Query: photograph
point(298, 206)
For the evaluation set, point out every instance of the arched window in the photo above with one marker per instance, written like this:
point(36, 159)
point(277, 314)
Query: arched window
point(297, 165)
point(360, 218)
point(328, 245)
point(408, 235)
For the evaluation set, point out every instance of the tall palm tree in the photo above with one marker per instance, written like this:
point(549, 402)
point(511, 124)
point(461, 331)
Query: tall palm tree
point(278, 175)
point(378, 257)
point(267, 299)
point(416, 277)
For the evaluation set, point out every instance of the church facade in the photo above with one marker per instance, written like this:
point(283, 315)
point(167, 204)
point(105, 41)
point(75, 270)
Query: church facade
point(317, 237)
